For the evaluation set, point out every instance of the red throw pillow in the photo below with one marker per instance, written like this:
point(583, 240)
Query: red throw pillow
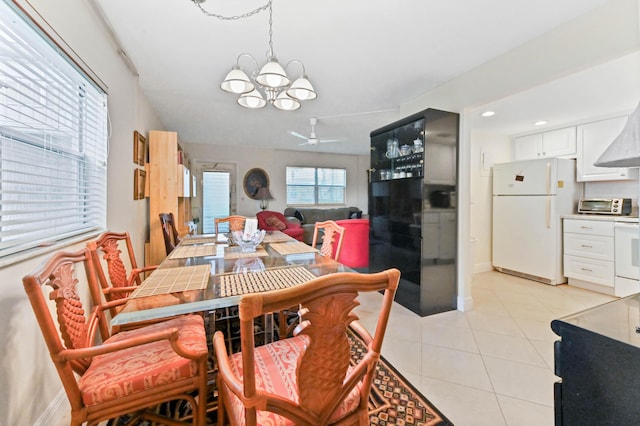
point(274, 222)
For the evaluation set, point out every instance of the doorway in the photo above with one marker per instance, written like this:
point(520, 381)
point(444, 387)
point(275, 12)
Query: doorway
point(216, 198)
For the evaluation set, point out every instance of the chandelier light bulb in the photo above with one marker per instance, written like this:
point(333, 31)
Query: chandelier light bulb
point(302, 89)
point(273, 75)
point(237, 82)
point(252, 100)
point(286, 103)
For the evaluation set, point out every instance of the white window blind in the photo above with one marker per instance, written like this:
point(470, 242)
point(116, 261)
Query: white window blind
point(53, 141)
point(315, 185)
point(216, 199)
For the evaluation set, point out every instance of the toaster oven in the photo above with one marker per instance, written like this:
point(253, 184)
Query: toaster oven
point(614, 206)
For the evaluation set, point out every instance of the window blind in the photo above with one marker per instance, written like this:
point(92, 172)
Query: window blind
point(53, 141)
point(311, 185)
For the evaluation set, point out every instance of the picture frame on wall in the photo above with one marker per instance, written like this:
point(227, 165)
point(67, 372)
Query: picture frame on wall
point(139, 148)
point(139, 178)
point(255, 179)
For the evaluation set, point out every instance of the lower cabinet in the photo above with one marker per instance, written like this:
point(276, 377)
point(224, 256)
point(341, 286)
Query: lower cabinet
point(589, 260)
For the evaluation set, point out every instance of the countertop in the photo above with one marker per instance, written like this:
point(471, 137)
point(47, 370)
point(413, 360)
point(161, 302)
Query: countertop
point(602, 217)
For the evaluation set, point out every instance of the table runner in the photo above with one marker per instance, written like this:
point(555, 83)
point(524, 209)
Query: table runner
point(234, 252)
point(293, 248)
point(271, 279)
point(182, 252)
point(200, 239)
point(277, 237)
point(172, 280)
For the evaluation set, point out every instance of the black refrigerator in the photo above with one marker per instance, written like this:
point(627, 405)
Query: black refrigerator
point(412, 208)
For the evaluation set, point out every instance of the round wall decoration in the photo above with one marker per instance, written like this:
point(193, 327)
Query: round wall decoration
point(253, 181)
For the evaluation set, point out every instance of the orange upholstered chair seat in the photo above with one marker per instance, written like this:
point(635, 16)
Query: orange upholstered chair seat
point(275, 366)
point(112, 375)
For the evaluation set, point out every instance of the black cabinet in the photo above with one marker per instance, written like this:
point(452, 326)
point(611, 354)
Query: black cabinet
point(412, 208)
point(597, 359)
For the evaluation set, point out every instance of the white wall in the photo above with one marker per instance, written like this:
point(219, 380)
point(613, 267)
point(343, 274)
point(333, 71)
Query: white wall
point(494, 148)
point(29, 381)
point(274, 162)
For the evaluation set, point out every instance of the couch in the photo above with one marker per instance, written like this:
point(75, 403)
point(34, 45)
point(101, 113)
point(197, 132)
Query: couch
point(275, 221)
point(307, 217)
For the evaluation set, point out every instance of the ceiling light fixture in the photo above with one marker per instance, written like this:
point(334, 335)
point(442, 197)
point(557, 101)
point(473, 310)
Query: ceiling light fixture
point(540, 123)
point(268, 83)
point(488, 113)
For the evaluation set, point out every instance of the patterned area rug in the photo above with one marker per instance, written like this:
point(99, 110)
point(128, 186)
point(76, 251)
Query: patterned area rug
point(392, 401)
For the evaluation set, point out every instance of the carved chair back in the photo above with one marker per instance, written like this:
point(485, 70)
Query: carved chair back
point(117, 283)
point(323, 377)
point(332, 237)
point(236, 222)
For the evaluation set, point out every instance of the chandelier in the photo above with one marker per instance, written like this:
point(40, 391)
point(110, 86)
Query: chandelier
point(269, 82)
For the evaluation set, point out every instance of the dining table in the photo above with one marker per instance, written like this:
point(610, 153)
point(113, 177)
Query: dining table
point(207, 272)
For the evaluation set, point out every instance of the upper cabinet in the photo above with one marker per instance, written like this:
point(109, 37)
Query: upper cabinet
point(554, 143)
point(593, 139)
point(397, 152)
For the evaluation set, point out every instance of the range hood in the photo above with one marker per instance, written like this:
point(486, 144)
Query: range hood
point(624, 151)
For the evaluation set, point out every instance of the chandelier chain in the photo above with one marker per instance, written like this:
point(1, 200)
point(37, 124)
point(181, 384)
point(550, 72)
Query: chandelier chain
point(270, 30)
point(235, 17)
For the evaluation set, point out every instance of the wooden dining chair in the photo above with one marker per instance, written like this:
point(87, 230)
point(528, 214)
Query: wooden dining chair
point(236, 222)
point(332, 238)
point(129, 371)
point(169, 231)
point(117, 283)
point(306, 379)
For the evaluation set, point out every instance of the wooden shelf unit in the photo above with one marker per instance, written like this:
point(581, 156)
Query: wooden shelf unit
point(166, 168)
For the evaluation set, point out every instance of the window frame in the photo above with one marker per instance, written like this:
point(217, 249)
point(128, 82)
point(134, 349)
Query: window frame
point(316, 186)
point(84, 149)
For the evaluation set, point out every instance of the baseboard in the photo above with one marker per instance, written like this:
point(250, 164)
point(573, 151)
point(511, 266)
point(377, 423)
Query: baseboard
point(482, 267)
point(57, 409)
point(465, 304)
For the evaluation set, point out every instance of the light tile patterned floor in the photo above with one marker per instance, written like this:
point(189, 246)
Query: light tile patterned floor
point(492, 365)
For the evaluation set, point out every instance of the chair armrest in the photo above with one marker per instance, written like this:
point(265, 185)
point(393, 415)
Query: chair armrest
point(105, 348)
point(135, 273)
point(293, 223)
point(293, 220)
point(112, 290)
point(224, 367)
point(170, 334)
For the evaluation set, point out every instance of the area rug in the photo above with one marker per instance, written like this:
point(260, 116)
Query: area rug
point(392, 400)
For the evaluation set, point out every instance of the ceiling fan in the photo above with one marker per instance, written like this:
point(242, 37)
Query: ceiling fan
point(312, 139)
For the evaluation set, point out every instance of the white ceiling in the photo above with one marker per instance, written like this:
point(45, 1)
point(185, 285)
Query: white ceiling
point(361, 56)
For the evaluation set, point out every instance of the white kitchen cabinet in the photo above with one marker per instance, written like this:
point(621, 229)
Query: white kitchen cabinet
point(592, 139)
point(554, 143)
point(589, 260)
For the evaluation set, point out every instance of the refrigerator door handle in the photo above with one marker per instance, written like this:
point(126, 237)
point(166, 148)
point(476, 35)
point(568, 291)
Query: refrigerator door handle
point(548, 212)
point(548, 185)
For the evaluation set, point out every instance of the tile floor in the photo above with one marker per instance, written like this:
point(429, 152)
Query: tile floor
point(492, 365)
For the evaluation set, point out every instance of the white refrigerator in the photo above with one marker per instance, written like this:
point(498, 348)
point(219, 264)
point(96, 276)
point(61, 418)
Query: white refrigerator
point(529, 199)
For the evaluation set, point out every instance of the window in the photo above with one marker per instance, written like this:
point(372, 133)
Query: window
point(315, 185)
point(53, 141)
